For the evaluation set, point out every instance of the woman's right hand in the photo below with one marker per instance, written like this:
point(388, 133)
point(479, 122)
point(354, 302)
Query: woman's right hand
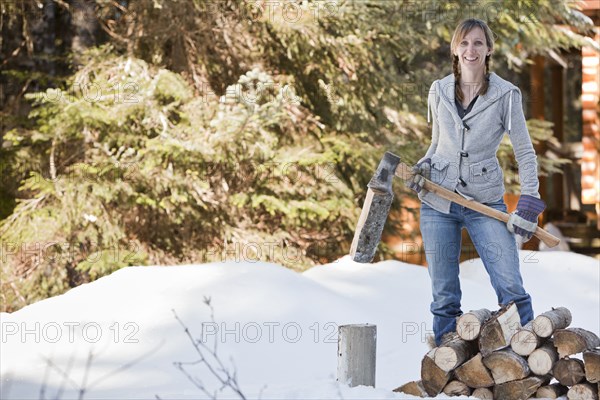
point(421, 172)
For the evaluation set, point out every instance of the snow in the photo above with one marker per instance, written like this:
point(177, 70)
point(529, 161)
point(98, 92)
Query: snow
point(277, 329)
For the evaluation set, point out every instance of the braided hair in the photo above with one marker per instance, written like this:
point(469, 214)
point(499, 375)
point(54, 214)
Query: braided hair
point(461, 30)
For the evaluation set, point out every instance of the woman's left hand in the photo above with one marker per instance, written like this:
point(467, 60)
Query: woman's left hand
point(523, 221)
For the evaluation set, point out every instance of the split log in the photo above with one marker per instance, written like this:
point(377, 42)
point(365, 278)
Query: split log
point(453, 353)
point(433, 377)
point(497, 331)
point(591, 360)
point(468, 326)
point(553, 391)
point(457, 388)
point(483, 393)
point(414, 388)
point(569, 371)
point(574, 340)
point(518, 390)
point(542, 360)
point(545, 324)
point(525, 341)
point(474, 373)
point(506, 365)
point(583, 391)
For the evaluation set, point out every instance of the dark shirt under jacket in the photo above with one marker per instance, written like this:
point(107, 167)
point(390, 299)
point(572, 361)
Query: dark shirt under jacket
point(461, 111)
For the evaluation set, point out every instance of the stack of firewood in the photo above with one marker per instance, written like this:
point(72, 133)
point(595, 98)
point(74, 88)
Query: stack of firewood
point(491, 356)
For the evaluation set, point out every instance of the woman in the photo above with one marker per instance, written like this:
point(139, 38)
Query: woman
point(471, 110)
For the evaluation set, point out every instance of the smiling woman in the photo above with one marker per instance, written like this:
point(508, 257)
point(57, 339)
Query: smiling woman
point(472, 109)
point(472, 46)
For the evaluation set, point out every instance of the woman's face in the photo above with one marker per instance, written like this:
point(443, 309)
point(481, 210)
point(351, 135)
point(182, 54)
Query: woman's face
point(472, 50)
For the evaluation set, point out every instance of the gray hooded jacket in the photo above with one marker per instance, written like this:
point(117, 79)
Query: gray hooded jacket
point(463, 151)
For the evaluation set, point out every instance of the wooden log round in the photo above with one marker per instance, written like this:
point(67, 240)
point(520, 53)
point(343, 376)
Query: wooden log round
point(456, 388)
point(453, 353)
point(541, 361)
point(525, 341)
point(506, 365)
point(468, 325)
point(583, 391)
point(569, 371)
point(414, 388)
point(483, 393)
point(574, 340)
point(433, 377)
point(497, 331)
point(474, 373)
point(591, 359)
point(357, 346)
point(553, 391)
point(519, 389)
point(545, 324)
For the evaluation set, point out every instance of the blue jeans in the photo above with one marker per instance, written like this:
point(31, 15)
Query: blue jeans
point(495, 245)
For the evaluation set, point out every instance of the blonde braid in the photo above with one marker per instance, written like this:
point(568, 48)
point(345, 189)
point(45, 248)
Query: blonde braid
point(486, 82)
point(457, 90)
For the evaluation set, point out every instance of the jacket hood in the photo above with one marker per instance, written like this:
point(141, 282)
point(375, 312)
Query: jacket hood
point(497, 89)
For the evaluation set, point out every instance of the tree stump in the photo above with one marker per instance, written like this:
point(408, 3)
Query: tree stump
point(541, 361)
point(498, 330)
point(569, 371)
point(453, 353)
point(545, 324)
point(591, 360)
point(474, 373)
point(468, 326)
point(356, 354)
point(553, 391)
point(506, 365)
point(583, 391)
point(433, 377)
point(574, 340)
point(457, 388)
point(525, 341)
point(414, 388)
point(518, 390)
point(483, 393)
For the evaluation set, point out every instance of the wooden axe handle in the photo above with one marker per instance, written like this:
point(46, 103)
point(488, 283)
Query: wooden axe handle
point(405, 172)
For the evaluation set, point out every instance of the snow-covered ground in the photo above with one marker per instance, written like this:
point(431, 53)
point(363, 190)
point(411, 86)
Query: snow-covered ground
point(118, 337)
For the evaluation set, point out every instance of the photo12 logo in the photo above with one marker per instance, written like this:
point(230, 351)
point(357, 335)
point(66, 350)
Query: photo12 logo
point(68, 331)
point(254, 332)
point(288, 11)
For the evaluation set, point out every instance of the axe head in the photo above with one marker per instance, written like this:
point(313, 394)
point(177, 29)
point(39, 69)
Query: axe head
point(375, 210)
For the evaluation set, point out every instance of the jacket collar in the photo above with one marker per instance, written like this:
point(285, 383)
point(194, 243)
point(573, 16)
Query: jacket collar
point(497, 89)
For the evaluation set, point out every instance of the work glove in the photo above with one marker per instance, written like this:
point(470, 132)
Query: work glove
point(421, 172)
point(523, 221)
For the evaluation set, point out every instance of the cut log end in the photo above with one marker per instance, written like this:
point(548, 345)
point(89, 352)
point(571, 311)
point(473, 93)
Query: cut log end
point(453, 353)
point(545, 324)
point(519, 389)
point(474, 373)
point(524, 342)
point(506, 366)
point(583, 391)
point(569, 371)
point(457, 388)
point(433, 377)
point(446, 358)
point(553, 391)
point(468, 326)
point(498, 330)
point(574, 340)
point(541, 361)
point(414, 388)
point(483, 393)
point(591, 360)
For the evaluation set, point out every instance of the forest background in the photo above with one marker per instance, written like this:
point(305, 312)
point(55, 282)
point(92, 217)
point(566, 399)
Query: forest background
point(155, 132)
